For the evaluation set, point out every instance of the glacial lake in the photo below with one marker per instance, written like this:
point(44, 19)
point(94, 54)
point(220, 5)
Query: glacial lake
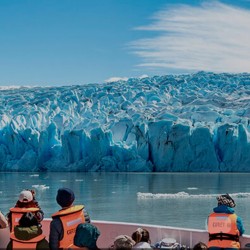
point(172, 199)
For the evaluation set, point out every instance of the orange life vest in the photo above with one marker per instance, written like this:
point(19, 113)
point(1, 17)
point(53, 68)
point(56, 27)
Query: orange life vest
point(25, 244)
point(223, 231)
point(70, 218)
point(17, 213)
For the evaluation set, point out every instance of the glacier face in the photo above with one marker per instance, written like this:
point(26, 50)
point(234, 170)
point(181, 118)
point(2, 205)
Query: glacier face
point(195, 122)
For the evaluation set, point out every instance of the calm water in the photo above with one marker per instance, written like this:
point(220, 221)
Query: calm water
point(175, 199)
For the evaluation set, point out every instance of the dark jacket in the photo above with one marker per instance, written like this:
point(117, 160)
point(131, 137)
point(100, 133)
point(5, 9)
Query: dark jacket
point(27, 233)
point(56, 231)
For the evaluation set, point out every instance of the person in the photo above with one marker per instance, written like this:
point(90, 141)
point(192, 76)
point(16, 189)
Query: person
point(141, 238)
point(123, 242)
point(26, 203)
point(65, 221)
point(200, 246)
point(3, 221)
point(86, 236)
point(224, 226)
point(28, 234)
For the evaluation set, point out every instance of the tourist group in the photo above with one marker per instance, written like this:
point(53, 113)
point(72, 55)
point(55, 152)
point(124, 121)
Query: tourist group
point(71, 227)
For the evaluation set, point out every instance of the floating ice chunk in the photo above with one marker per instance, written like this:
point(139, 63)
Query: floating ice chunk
point(186, 195)
point(40, 187)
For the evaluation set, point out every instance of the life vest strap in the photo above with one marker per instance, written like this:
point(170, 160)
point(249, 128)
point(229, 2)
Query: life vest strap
point(224, 236)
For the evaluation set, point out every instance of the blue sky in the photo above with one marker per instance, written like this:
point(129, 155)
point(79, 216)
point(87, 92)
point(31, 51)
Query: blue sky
point(64, 42)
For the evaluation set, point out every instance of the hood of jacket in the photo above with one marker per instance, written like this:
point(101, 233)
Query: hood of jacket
point(224, 209)
point(27, 233)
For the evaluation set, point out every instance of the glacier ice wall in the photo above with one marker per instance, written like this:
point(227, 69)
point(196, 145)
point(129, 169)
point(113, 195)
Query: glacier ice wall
point(196, 122)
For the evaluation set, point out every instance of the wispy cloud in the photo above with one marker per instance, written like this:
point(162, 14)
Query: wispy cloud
point(211, 37)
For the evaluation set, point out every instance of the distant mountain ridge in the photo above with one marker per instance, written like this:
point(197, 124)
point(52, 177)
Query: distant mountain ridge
point(193, 122)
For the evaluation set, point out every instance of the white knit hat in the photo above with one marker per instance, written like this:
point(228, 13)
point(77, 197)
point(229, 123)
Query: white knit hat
point(25, 196)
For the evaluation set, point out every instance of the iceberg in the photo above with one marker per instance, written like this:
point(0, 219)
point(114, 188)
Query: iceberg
point(194, 122)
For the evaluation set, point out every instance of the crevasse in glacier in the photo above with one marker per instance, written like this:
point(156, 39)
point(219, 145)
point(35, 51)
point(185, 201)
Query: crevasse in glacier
point(194, 122)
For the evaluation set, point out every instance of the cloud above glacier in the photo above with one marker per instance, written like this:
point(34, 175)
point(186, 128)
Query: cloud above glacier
point(210, 37)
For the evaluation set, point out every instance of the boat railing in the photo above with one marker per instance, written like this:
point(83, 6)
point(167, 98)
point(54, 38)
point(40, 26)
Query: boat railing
point(109, 230)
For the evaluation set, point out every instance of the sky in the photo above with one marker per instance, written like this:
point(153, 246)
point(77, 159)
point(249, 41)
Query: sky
point(68, 42)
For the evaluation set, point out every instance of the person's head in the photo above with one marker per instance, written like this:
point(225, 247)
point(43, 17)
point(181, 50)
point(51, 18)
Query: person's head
point(86, 236)
point(27, 199)
point(141, 235)
point(226, 200)
point(26, 196)
point(200, 246)
point(123, 242)
point(65, 197)
point(28, 219)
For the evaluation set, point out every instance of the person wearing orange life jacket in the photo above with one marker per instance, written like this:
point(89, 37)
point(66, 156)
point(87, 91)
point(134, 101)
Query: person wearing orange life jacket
point(28, 234)
point(65, 221)
point(224, 226)
point(26, 203)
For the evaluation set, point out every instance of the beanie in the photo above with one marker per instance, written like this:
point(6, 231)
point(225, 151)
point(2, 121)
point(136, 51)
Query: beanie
point(226, 200)
point(65, 197)
point(25, 196)
point(86, 236)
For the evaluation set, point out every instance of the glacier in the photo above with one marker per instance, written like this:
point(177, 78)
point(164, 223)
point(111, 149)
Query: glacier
point(196, 122)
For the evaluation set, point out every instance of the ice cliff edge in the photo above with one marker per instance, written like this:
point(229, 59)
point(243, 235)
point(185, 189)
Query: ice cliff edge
point(195, 122)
